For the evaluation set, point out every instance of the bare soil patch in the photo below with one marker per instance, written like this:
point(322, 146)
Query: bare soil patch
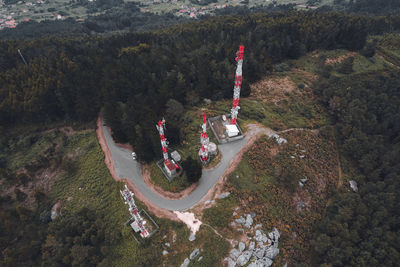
point(339, 59)
point(272, 88)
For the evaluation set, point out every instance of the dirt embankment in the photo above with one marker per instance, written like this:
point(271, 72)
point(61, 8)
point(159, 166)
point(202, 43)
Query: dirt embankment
point(157, 211)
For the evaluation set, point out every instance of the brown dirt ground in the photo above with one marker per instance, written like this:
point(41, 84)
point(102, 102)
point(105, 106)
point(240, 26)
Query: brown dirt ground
point(272, 88)
point(157, 211)
point(339, 59)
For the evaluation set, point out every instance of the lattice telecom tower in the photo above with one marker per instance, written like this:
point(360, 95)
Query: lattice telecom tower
point(238, 84)
point(160, 128)
point(204, 140)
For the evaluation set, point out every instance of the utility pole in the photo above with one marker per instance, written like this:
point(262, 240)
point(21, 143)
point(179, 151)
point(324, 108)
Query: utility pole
point(238, 84)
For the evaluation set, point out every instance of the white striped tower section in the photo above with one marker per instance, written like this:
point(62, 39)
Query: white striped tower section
point(238, 84)
point(160, 128)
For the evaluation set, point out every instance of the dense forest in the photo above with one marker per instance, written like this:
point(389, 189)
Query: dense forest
point(134, 75)
point(363, 229)
point(136, 78)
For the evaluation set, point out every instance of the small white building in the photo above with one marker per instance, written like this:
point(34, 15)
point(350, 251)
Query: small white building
point(135, 226)
point(169, 168)
point(176, 156)
point(231, 130)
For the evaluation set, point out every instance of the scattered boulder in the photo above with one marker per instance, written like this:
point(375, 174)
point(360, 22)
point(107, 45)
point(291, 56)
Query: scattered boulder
point(167, 244)
point(185, 263)
point(249, 221)
point(241, 220)
point(194, 253)
point(244, 258)
point(252, 245)
point(192, 237)
point(271, 252)
point(301, 205)
point(200, 258)
point(304, 180)
point(55, 210)
point(259, 252)
point(231, 263)
point(353, 185)
point(242, 246)
point(264, 262)
point(234, 253)
point(224, 195)
point(164, 252)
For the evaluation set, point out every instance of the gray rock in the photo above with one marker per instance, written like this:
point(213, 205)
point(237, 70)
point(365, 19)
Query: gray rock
point(231, 263)
point(265, 239)
point(258, 226)
point(207, 202)
point(274, 235)
point(164, 252)
point(241, 220)
point(249, 221)
point(252, 245)
point(234, 213)
point(224, 195)
point(260, 244)
point(301, 205)
point(242, 246)
point(304, 180)
point(271, 252)
point(301, 184)
point(192, 237)
point(200, 258)
point(259, 253)
point(194, 253)
point(234, 253)
point(244, 258)
point(353, 185)
point(167, 244)
point(264, 262)
point(258, 237)
point(233, 224)
point(185, 263)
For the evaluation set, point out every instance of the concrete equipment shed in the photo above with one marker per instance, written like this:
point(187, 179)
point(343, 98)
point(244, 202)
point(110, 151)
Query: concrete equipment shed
point(176, 156)
point(231, 130)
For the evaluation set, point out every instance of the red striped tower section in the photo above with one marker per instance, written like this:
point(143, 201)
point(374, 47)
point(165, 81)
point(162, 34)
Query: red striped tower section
point(204, 140)
point(160, 128)
point(238, 84)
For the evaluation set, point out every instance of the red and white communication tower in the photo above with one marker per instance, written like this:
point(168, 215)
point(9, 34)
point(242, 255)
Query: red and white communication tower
point(160, 128)
point(238, 84)
point(204, 140)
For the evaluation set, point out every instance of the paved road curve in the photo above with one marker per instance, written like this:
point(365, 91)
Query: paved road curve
point(126, 167)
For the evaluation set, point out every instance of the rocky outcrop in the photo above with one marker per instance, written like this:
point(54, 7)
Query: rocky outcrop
point(261, 249)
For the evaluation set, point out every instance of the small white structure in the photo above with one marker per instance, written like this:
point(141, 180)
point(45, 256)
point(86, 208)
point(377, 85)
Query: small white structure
point(135, 226)
point(176, 156)
point(169, 168)
point(212, 148)
point(231, 130)
point(353, 185)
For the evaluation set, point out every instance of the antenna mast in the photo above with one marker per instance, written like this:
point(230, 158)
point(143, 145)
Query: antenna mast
point(238, 84)
point(204, 140)
point(160, 128)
